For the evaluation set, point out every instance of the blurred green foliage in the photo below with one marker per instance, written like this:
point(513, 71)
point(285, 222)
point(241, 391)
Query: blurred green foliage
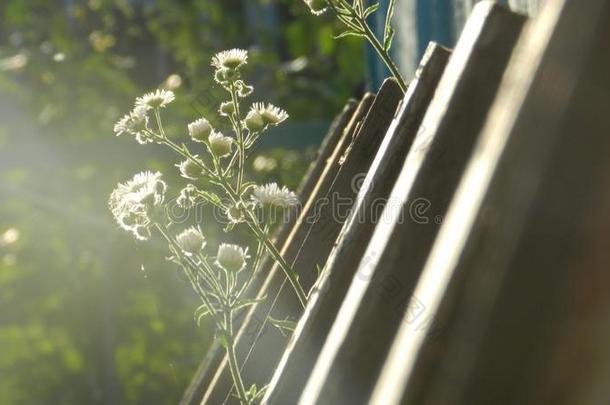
point(87, 314)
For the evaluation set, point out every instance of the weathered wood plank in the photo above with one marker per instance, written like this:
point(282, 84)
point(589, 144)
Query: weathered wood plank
point(332, 212)
point(215, 355)
point(370, 315)
point(306, 342)
point(319, 229)
point(254, 325)
point(518, 278)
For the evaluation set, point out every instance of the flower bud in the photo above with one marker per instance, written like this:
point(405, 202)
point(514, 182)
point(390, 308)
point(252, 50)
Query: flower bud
point(187, 197)
point(220, 145)
point(226, 75)
point(227, 108)
point(189, 169)
point(199, 130)
point(231, 257)
point(191, 240)
point(235, 214)
point(245, 90)
point(254, 121)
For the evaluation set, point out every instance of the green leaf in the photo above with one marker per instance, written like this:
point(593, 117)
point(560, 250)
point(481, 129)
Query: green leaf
point(200, 317)
point(260, 393)
point(370, 10)
point(212, 198)
point(223, 339)
point(285, 326)
point(349, 34)
point(201, 312)
point(247, 186)
point(387, 42)
point(254, 394)
point(248, 302)
point(318, 271)
point(388, 32)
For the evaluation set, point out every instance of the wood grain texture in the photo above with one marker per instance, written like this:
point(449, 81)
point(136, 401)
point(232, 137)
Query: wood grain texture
point(518, 278)
point(214, 357)
point(299, 358)
point(353, 354)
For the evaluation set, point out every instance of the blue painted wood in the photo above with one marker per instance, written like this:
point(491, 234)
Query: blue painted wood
point(434, 23)
point(376, 69)
point(428, 20)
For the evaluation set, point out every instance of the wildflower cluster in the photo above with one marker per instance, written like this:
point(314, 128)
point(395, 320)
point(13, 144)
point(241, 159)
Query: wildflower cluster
point(215, 170)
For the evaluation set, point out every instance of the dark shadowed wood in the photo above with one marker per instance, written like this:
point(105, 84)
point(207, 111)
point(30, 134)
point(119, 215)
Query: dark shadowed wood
point(254, 326)
point(216, 353)
point(298, 360)
point(519, 279)
point(352, 356)
point(331, 213)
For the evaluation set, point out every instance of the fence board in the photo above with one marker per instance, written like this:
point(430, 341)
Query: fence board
point(307, 340)
point(369, 317)
point(518, 277)
point(211, 362)
point(321, 229)
point(255, 320)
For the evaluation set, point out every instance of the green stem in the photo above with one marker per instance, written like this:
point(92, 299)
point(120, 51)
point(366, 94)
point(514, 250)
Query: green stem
point(193, 282)
point(240, 140)
point(180, 150)
point(385, 56)
point(277, 256)
point(228, 323)
point(258, 231)
point(255, 263)
point(233, 365)
point(366, 31)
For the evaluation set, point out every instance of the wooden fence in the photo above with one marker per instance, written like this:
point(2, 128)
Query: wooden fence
point(471, 265)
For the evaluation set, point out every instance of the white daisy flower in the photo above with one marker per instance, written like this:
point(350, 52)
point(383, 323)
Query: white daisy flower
point(271, 195)
point(230, 59)
point(200, 129)
point(131, 202)
point(134, 123)
point(220, 145)
point(191, 240)
point(189, 169)
point(231, 257)
point(270, 114)
point(156, 99)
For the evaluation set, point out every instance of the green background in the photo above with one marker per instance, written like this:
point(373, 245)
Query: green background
point(87, 314)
